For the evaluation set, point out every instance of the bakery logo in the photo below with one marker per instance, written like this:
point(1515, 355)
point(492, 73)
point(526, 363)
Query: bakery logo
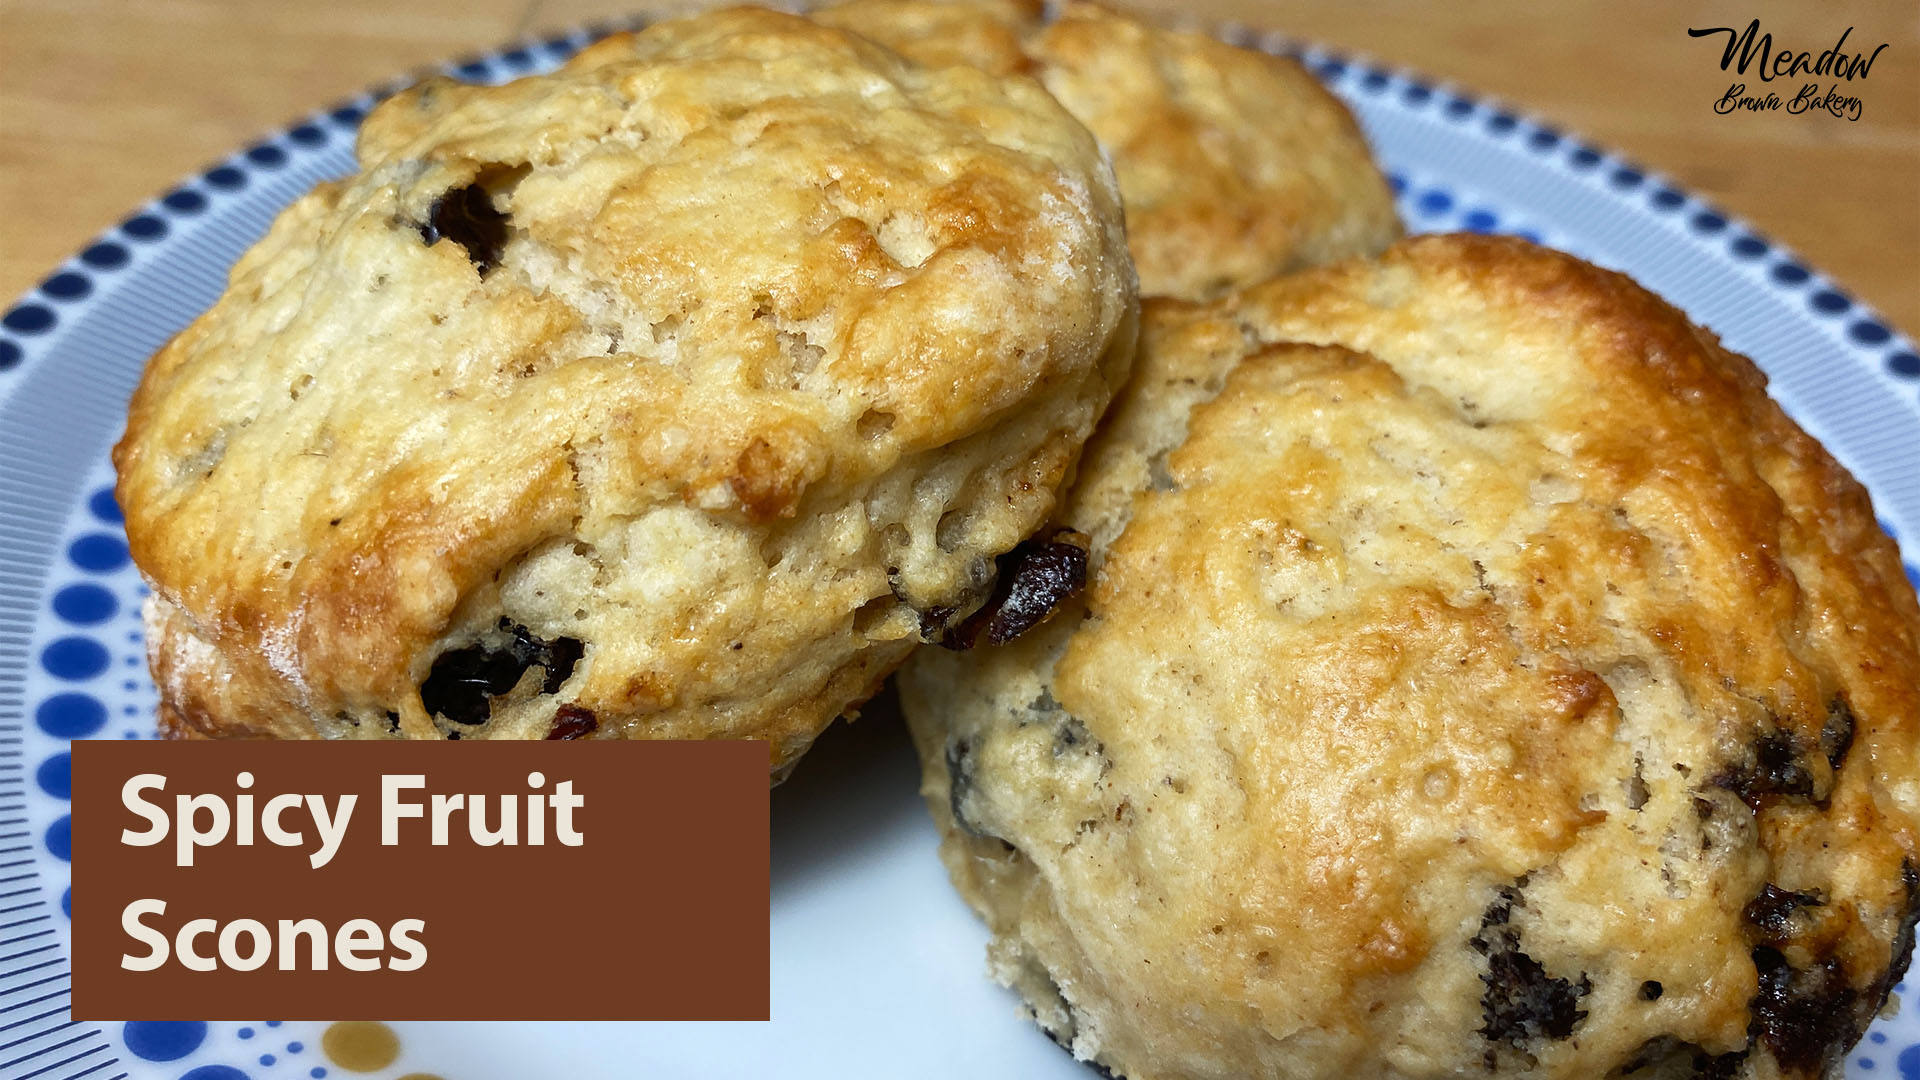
point(1752, 51)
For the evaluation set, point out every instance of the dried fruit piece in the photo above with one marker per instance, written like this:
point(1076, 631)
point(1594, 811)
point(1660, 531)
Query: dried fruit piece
point(467, 217)
point(464, 681)
point(1522, 1002)
point(1034, 579)
point(572, 722)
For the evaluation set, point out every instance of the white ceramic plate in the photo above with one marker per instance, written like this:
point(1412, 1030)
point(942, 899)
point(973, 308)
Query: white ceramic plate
point(877, 967)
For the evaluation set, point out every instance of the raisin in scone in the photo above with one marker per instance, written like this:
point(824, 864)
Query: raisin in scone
point(1480, 675)
point(1234, 165)
point(663, 396)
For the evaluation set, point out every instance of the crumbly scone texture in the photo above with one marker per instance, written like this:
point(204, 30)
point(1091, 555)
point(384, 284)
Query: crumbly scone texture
point(1235, 165)
point(667, 389)
point(1480, 675)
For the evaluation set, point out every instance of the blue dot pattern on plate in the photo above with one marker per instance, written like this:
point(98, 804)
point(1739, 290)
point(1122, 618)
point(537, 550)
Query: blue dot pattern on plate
point(84, 604)
point(70, 716)
point(103, 506)
point(1868, 333)
point(163, 1040)
point(75, 659)
point(29, 319)
point(88, 617)
point(184, 201)
point(67, 286)
point(55, 776)
point(226, 178)
point(98, 552)
point(145, 227)
point(105, 255)
point(1828, 302)
point(59, 838)
point(213, 1072)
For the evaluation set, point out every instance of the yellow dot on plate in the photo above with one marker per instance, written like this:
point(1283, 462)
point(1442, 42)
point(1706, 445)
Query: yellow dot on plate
point(360, 1045)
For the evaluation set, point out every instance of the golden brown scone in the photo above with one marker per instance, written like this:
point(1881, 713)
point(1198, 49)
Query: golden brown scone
point(653, 398)
point(1481, 674)
point(1234, 165)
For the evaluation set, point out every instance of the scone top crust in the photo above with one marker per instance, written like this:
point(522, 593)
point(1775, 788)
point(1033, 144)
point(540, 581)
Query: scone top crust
point(684, 353)
point(987, 34)
point(1480, 671)
point(1235, 165)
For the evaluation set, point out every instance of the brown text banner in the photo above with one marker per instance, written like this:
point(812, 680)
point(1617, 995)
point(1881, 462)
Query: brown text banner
point(420, 881)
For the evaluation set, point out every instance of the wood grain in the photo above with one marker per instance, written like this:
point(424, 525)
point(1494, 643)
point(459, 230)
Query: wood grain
point(105, 102)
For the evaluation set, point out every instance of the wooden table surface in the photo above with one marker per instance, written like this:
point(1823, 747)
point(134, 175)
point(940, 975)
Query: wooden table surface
point(104, 103)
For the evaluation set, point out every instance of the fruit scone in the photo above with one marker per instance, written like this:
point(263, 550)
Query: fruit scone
point(1481, 675)
point(1234, 165)
point(670, 395)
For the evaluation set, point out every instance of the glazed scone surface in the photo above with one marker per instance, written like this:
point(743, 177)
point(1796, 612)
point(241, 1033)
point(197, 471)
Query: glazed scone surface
point(1234, 165)
point(665, 388)
point(1480, 674)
